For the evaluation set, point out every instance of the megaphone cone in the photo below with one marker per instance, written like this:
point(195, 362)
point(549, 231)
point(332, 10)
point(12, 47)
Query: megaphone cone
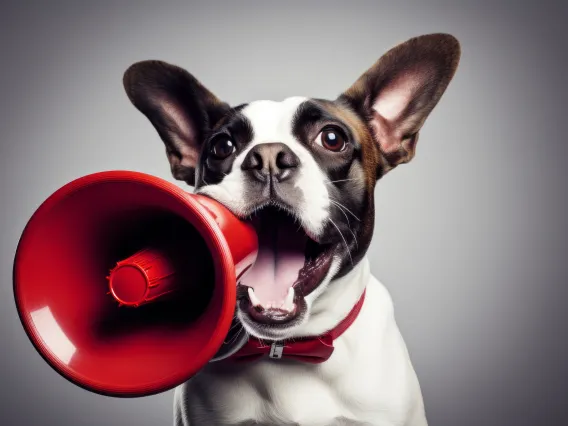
point(126, 284)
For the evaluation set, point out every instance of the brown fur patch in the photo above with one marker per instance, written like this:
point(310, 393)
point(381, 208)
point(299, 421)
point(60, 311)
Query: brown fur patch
point(370, 154)
point(372, 163)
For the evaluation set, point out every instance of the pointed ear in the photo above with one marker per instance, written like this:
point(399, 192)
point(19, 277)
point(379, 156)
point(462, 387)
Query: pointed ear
point(181, 109)
point(396, 95)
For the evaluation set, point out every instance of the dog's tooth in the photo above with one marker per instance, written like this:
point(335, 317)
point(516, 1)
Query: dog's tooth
point(254, 300)
point(288, 304)
point(289, 307)
point(290, 297)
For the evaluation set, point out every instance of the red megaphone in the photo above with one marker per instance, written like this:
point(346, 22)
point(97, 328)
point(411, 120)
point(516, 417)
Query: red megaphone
point(126, 284)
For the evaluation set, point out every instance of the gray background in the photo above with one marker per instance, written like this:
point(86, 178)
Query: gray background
point(471, 237)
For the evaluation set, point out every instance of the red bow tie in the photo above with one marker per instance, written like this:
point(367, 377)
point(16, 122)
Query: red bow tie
point(313, 350)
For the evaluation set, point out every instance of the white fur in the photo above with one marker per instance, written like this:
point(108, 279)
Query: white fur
point(272, 122)
point(369, 379)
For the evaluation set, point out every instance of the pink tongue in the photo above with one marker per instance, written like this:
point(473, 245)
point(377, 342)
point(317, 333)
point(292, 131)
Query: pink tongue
point(280, 258)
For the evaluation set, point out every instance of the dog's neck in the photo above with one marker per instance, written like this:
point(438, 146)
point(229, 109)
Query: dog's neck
point(335, 303)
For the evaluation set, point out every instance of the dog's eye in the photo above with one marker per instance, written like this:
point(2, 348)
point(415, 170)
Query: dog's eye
point(332, 139)
point(222, 147)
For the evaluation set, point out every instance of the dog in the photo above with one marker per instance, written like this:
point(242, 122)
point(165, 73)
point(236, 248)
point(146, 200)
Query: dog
point(303, 171)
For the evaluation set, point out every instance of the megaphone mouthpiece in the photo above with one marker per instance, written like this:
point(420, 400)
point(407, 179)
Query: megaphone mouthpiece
point(142, 278)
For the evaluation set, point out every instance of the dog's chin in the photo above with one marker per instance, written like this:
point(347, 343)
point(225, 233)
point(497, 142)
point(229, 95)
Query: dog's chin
point(271, 297)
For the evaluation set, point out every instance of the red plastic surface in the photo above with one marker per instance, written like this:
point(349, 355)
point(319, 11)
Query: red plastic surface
point(129, 285)
point(144, 277)
point(61, 289)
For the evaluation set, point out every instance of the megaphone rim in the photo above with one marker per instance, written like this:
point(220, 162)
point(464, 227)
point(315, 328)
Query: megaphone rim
point(215, 237)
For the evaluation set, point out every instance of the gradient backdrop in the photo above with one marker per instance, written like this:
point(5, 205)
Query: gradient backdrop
point(471, 237)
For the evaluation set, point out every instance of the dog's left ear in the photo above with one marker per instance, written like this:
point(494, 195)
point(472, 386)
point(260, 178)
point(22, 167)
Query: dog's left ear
point(181, 109)
point(396, 95)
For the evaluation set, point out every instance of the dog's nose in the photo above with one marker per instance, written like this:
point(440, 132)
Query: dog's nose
point(267, 161)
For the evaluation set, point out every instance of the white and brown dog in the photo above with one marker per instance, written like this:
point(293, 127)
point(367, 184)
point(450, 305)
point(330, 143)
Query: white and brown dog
point(304, 171)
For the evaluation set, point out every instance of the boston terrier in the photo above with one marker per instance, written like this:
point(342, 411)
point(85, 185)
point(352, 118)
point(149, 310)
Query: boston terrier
point(317, 342)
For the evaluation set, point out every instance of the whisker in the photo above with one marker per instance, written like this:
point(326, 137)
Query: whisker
point(337, 203)
point(348, 223)
point(339, 180)
point(235, 337)
point(344, 241)
point(349, 226)
point(238, 335)
point(354, 238)
point(342, 211)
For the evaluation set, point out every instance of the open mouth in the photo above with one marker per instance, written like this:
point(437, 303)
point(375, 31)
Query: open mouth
point(289, 266)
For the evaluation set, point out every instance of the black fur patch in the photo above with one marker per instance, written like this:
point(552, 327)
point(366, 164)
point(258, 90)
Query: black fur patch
point(236, 127)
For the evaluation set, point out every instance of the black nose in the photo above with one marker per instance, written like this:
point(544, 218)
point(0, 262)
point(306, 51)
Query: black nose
point(271, 161)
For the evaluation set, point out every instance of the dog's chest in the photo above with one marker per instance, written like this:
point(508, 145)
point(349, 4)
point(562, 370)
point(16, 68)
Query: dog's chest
point(279, 392)
point(367, 380)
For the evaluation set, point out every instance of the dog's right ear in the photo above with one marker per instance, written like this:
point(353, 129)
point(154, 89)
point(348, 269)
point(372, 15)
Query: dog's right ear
point(181, 109)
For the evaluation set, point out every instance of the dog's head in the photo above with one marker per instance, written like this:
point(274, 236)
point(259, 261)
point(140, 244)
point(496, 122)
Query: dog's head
point(303, 170)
